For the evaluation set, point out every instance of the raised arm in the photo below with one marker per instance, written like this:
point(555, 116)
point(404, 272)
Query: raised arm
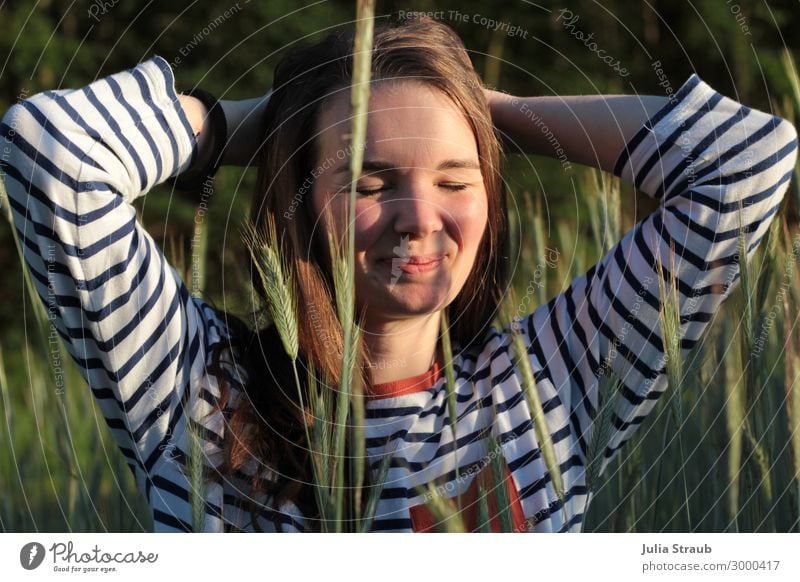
point(590, 129)
point(76, 160)
point(701, 155)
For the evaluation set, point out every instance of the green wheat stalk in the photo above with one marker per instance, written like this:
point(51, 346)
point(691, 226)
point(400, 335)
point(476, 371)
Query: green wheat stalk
point(39, 311)
point(375, 493)
point(278, 282)
point(344, 271)
point(734, 419)
point(359, 442)
point(793, 76)
point(450, 378)
point(751, 375)
point(500, 488)
point(484, 523)
point(670, 318)
point(444, 510)
point(522, 363)
point(196, 465)
point(602, 425)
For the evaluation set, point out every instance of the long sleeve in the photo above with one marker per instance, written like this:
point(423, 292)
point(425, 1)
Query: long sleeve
point(75, 161)
point(700, 156)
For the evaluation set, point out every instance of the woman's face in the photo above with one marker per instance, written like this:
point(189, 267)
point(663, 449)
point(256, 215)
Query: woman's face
point(421, 205)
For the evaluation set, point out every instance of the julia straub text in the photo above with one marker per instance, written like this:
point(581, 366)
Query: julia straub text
point(675, 549)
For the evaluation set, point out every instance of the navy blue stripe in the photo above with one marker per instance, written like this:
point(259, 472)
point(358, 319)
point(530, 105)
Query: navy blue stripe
point(164, 484)
point(577, 329)
point(647, 128)
point(394, 524)
point(85, 218)
point(55, 133)
point(46, 164)
point(120, 135)
point(136, 117)
point(539, 484)
point(169, 84)
point(722, 235)
point(731, 152)
point(682, 129)
point(125, 330)
point(145, 90)
point(703, 145)
point(722, 207)
point(171, 521)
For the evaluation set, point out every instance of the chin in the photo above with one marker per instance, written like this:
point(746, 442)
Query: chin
point(406, 303)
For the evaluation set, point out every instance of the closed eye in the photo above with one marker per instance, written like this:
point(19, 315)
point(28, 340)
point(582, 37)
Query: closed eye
point(454, 186)
point(372, 191)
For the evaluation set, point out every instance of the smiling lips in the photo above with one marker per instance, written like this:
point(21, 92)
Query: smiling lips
point(415, 264)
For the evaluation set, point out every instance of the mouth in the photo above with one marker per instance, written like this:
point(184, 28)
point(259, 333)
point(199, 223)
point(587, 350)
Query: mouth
point(416, 263)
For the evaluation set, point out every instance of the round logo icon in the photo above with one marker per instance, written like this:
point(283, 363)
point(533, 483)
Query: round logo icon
point(31, 555)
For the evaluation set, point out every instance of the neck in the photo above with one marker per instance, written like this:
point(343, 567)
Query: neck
point(402, 348)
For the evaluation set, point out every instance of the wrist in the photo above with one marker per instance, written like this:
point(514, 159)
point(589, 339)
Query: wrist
point(207, 120)
point(501, 107)
point(244, 126)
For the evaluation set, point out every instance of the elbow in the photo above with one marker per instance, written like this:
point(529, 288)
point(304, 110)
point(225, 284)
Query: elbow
point(21, 131)
point(10, 128)
point(787, 138)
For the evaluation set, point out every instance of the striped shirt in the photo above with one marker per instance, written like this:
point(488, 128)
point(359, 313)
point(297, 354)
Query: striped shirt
point(74, 160)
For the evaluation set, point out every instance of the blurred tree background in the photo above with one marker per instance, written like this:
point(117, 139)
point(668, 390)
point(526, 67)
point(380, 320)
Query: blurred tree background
point(230, 49)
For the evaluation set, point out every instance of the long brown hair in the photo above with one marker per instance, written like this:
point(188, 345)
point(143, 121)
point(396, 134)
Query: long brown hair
point(268, 423)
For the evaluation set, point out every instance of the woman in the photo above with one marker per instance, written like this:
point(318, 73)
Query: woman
point(430, 233)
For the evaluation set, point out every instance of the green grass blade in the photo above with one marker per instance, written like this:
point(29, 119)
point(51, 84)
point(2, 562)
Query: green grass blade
point(522, 363)
point(500, 488)
point(375, 493)
point(450, 378)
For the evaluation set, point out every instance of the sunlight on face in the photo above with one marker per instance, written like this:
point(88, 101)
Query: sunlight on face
point(421, 206)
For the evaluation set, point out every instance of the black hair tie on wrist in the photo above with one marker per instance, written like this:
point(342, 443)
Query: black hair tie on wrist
point(219, 130)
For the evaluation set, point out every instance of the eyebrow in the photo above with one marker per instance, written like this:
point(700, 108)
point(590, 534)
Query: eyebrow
point(382, 166)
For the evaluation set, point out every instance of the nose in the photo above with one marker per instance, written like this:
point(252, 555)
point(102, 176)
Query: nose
point(417, 211)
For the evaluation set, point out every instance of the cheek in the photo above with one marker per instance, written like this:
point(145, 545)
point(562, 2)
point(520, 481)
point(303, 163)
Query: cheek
point(470, 218)
point(368, 223)
point(329, 202)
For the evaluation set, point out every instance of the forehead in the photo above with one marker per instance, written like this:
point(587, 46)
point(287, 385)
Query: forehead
point(405, 119)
